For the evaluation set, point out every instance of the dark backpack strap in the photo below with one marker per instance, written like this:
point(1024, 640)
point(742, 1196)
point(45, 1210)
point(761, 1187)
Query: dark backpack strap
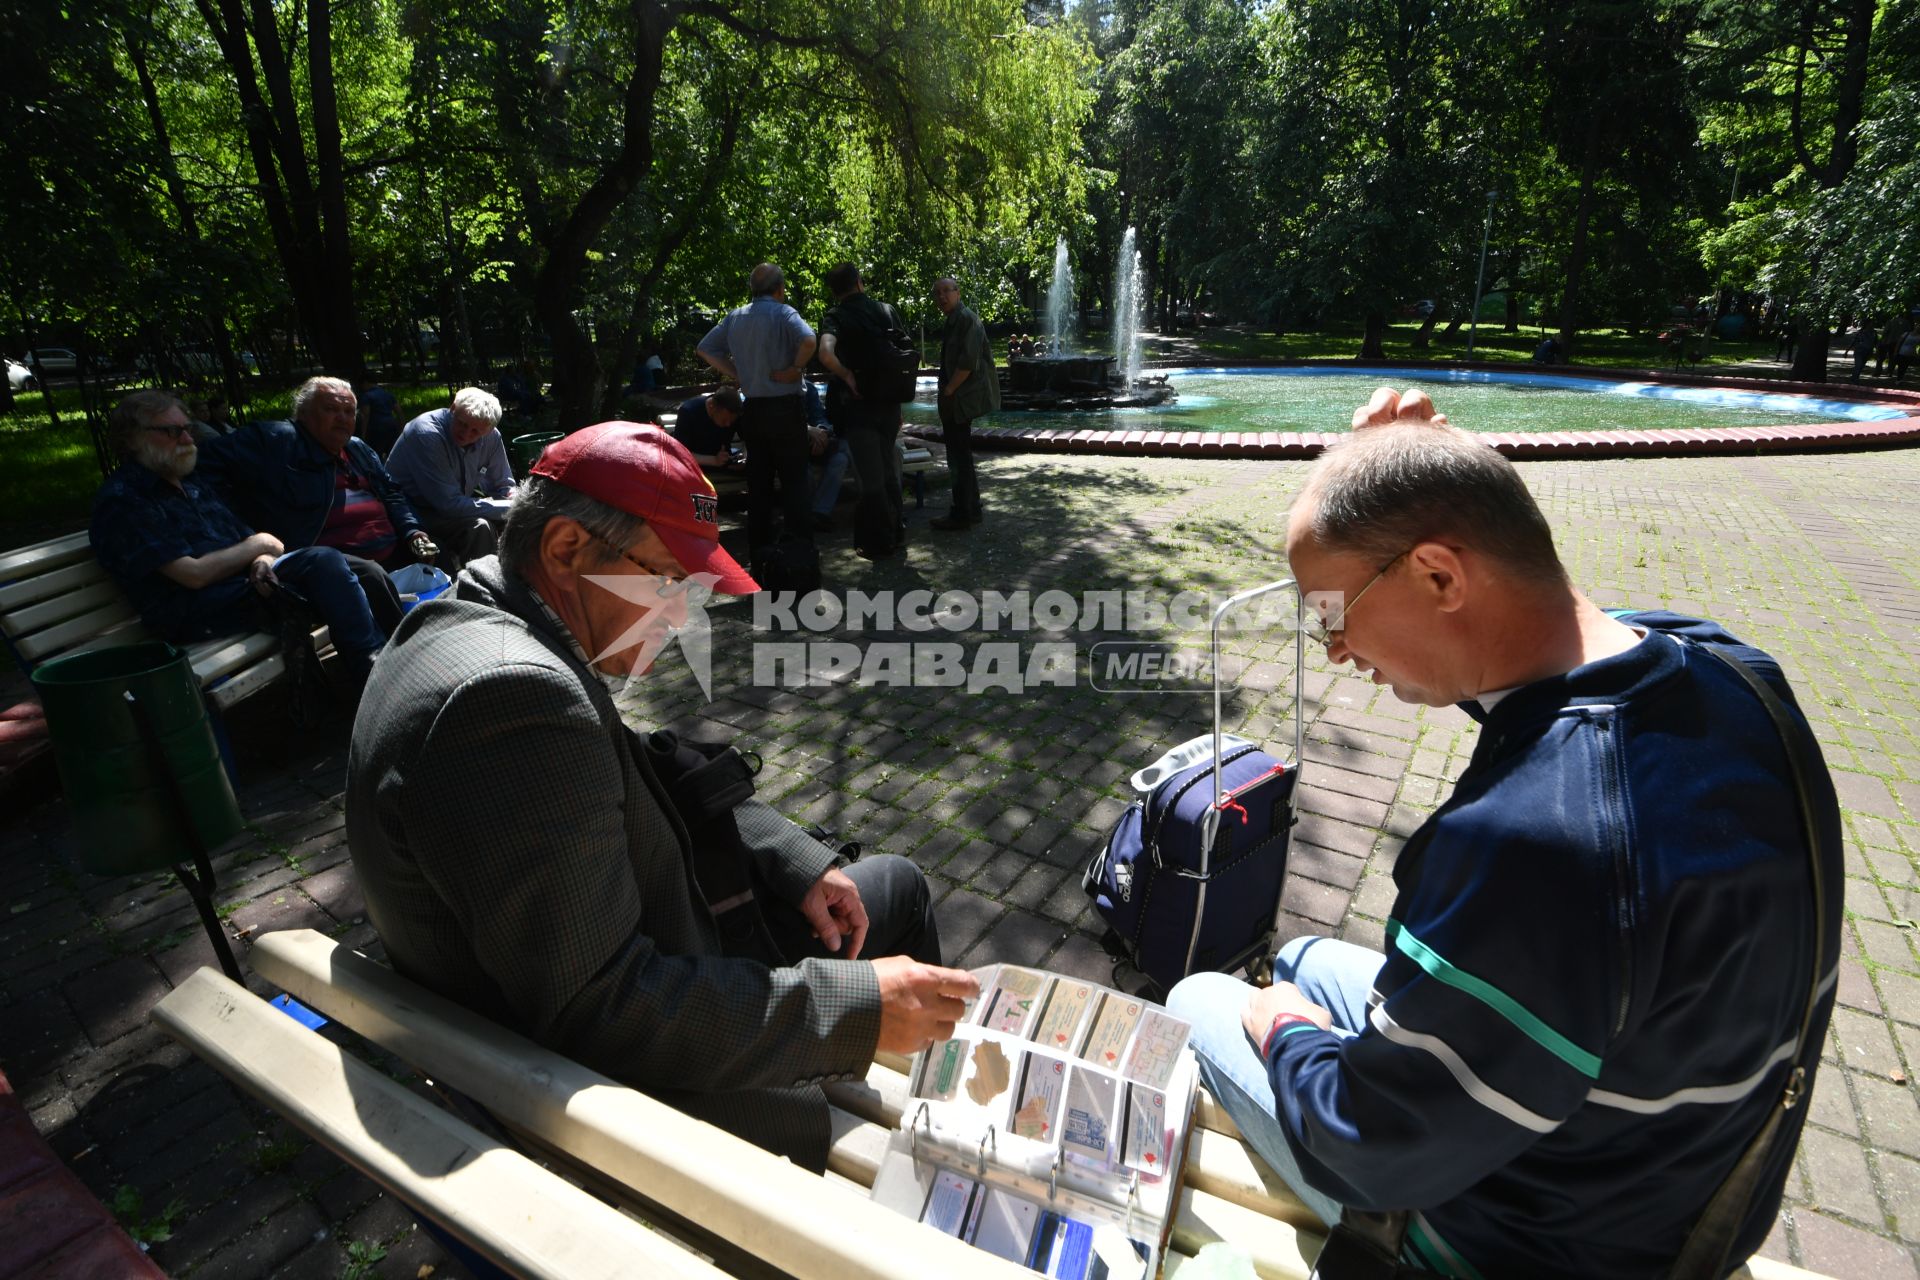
point(1704, 1255)
point(1365, 1246)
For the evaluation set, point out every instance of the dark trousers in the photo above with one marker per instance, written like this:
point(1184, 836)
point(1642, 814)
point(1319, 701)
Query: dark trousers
point(462, 540)
point(957, 433)
point(775, 431)
point(899, 915)
point(871, 432)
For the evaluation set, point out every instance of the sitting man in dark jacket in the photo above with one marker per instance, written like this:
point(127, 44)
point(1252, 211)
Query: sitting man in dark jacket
point(193, 568)
point(312, 482)
point(570, 905)
point(1603, 948)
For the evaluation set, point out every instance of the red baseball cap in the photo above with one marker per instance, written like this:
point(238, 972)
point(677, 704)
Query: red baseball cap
point(638, 468)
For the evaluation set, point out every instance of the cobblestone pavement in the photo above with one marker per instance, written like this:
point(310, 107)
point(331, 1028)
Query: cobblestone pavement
point(1002, 797)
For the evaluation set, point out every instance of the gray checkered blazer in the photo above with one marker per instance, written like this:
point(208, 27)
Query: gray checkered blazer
point(519, 857)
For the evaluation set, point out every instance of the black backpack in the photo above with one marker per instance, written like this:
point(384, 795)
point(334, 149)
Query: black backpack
point(886, 360)
point(788, 564)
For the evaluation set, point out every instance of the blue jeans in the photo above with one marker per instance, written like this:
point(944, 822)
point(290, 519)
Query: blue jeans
point(323, 578)
point(833, 470)
point(1335, 975)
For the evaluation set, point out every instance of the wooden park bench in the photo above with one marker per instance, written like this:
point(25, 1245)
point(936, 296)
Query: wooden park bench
point(604, 1154)
point(56, 600)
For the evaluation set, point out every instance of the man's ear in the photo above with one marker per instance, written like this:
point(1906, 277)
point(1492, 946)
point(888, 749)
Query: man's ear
point(1440, 572)
point(566, 549)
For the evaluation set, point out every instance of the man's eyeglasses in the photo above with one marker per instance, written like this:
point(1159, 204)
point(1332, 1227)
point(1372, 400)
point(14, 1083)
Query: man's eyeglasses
point(1320, 628)
point(669, 585)
point(183, 432)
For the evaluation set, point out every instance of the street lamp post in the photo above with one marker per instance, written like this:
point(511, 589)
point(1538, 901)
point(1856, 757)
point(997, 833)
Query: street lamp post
point(1486, 230)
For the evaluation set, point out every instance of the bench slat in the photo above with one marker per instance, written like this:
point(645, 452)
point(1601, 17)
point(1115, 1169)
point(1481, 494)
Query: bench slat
point(45, 613)
point(43, 586)
point(769, 1207)
point(42, 645)
point(489, 1195)
point(43, 557)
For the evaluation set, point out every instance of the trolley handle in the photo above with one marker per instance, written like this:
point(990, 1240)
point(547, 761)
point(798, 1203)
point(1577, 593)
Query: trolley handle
point(1219, 694)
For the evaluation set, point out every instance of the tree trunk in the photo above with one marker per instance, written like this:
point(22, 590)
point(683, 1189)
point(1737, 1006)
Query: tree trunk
point(345, 350)
point(577, 375)
point(1373, 347)
point(1513, 312)
point(1423, 338)
point(1577, 255)
point(1810, 356)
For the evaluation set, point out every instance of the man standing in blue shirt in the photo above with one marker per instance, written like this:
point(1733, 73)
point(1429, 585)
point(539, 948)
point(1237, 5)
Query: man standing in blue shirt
point(192, 567)
point(452, 465)
point(764, 348)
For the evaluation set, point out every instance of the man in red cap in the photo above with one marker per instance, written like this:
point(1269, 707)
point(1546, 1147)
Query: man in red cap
point(526, 854)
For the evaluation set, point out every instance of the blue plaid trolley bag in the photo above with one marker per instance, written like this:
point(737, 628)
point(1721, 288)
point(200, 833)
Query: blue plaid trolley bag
point(1190, 878)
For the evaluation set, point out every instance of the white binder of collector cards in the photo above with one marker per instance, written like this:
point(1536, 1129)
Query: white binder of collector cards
point(1050, 1129)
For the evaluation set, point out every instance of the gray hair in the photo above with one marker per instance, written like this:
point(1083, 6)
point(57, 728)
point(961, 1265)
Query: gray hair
point(136, 411)
point(313, 387)
point(1385, 489)
point(766, 280)
point(481, 406)
point(542, 500)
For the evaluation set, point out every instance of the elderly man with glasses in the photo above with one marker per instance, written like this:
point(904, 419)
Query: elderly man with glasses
point(1606, 983)
point(193, 568)
point(526, 854)
point(452, 465)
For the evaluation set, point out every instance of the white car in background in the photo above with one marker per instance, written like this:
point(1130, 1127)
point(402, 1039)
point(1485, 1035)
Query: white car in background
point(19, 377)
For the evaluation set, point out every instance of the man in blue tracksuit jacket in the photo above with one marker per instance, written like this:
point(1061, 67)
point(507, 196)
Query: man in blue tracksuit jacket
point(1602, 945)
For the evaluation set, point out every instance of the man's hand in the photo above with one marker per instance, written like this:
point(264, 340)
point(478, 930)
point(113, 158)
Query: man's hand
point(265, 544)
point(793, 374)
point(423, 548)
point(1392, 408)
point(260, 574)
point(919, 1003)
point(833, 907)
point(818, 438)
point(853, 388)
point(1266, 1004)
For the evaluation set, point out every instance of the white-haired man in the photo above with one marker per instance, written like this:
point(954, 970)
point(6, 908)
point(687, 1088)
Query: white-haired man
point(452, 465)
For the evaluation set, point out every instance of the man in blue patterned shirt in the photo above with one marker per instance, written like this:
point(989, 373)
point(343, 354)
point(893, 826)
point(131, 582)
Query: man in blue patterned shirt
point(192, 567)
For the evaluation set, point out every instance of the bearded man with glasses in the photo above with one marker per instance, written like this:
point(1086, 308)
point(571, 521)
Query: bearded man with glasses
point(524, 853)
point(193, 568)
point(1605, 984)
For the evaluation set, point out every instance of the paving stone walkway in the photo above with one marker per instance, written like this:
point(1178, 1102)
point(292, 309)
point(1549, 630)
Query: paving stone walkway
point(1002, 797)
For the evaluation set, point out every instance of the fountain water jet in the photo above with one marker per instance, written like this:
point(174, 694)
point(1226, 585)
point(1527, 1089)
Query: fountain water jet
point(1060, 300)
point(1129, 309)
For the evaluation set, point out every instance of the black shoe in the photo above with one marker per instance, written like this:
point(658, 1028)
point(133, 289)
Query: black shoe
point(953, 520)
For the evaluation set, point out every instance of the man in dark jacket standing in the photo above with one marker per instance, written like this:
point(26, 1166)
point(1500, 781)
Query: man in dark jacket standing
point(969, 389)
point(1603, 947)
point(312, 482)
point(869, 421)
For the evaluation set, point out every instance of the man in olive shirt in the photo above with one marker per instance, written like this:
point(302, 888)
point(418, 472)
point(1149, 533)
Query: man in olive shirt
point(969, 389)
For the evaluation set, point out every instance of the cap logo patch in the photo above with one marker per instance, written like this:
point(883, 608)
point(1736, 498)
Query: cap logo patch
point(706, 508)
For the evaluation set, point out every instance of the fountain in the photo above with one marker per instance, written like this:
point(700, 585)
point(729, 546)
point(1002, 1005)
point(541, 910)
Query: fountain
point(1065, 381)
point(1060, 300)
point(1129, 308)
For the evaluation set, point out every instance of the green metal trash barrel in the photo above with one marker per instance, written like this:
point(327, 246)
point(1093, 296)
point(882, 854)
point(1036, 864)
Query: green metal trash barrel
point(126, 817)
point(525, 450)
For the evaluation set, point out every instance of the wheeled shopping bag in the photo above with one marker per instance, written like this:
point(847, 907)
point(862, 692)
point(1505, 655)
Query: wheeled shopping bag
point(1190, 878)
